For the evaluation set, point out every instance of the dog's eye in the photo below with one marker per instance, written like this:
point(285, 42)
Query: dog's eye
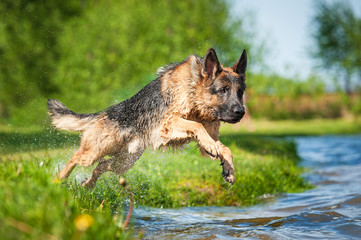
point(223, 90)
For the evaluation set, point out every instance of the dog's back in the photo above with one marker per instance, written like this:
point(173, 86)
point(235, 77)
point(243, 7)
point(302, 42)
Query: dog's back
point(142, 112)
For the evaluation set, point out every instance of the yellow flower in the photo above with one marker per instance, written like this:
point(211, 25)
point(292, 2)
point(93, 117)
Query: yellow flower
point(83, 222)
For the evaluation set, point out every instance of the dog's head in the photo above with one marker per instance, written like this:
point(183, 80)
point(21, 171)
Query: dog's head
point(224, 87)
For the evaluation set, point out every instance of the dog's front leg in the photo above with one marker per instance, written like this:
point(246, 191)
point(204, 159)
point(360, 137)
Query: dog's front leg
point(182, 128)
point(227, 164)
point(212, 129)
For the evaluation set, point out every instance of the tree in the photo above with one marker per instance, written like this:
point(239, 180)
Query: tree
point(29, 31)
point(336, 36)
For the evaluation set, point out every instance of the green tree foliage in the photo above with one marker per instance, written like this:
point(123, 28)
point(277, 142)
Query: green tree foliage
point(90, 54)
point(337, 37)
point(29, 33)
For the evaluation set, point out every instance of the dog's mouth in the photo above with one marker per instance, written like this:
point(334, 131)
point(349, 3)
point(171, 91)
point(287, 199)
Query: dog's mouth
point(231, 120)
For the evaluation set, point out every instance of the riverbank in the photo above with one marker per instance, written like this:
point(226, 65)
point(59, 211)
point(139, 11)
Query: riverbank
point(30, 159)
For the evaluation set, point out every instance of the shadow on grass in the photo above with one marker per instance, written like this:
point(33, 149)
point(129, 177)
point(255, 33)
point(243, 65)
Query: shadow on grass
point(13, 142)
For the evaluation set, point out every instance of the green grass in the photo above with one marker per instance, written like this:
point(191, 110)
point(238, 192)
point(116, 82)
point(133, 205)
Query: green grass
point(186, 179)
point(33, 206)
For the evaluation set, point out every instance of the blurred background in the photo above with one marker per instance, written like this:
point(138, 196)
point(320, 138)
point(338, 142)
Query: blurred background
point(304, 56)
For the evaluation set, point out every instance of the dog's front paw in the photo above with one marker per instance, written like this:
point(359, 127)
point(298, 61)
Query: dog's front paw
point(228, 172)
point(227, 164)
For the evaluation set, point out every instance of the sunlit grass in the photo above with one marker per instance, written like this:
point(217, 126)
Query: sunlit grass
point(34, 206)
point(187, 179)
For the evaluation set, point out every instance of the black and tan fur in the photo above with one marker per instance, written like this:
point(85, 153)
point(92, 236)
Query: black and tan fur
point(187, 101)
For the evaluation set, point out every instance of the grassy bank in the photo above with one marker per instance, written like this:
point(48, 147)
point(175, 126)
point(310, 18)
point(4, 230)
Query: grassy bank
point(33, 205)
point(183, 178)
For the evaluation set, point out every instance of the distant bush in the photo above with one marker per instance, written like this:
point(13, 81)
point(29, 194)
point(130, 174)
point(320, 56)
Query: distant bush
point(301, 107)
point(273, 97)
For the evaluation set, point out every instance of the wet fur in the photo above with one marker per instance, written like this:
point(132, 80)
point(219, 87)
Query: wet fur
point(183, 103)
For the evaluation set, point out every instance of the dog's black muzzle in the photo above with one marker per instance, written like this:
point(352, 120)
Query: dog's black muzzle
point(234, 114)
point(238, 112)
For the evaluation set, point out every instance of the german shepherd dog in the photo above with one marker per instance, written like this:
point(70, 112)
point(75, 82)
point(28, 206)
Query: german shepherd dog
point(187, 101)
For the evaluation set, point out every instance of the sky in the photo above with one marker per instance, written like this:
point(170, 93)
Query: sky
point(285, 27)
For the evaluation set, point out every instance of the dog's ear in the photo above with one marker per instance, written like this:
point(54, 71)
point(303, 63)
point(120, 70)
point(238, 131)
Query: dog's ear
point(241, 64)
point(211, 65)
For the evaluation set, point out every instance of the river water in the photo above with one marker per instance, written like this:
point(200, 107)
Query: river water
point(332, 210)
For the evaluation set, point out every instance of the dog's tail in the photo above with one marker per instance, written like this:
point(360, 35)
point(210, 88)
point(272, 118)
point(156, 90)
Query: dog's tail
point(64, 118)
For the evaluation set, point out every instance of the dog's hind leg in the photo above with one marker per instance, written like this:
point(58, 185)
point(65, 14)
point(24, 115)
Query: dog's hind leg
point(96, 142)
point(69, 167)
point(118, 164)
point(80, 157)
point(103, 166)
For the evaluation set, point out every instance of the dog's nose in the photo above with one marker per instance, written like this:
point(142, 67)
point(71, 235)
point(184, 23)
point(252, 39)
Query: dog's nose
point(239, 110)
